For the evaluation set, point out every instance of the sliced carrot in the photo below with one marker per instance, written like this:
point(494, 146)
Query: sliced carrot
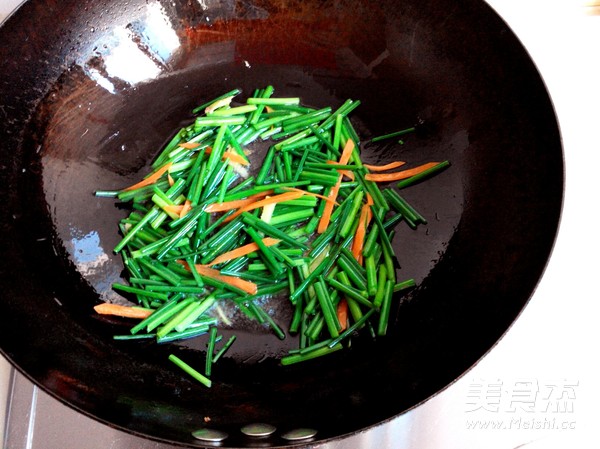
point(178, 209)
point(247, 286)
point(189, 145)
point(348, 173)
point(150, 179)
point(370, 202)
point(385, 167)
point(173, 209)
point(236, 204)
point(242, 251)
point(359, 235)
point(333, 193)
point(328, 209)
point(397, 176)
point(288, 196)
point(342, 313)
point(187, 206)
point(317, 195)
point(124, 311)
point(361, 231)
point(232, 156)
point(347, 152)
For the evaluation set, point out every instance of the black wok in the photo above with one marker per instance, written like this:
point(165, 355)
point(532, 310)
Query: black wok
point(90, 90)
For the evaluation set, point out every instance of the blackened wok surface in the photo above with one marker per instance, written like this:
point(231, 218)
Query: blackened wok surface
point(77, 117)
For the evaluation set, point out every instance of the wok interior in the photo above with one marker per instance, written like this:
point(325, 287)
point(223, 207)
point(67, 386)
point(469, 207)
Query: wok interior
point(95, 124)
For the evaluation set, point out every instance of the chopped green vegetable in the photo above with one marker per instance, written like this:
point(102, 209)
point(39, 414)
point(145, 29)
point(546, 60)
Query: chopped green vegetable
point(327, 223)
point(191, 371)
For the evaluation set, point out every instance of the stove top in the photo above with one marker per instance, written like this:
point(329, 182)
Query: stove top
point(538, 387)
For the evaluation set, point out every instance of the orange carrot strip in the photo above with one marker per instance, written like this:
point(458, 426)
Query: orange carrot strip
point(370, 202)
point(242, 251)
point(323, 197)
point(124, 311)
point(233, 157)
point(397, 176)
point(333, 193)
point(171, 180)
point(346, 152)
point(342, 313)
point(150, 179)
point(249, 287)
point(389, 166)
point(173, 209)
point(236, 204)
point(187, 206)
point(328, 209)
point(270, 200)
point(204, 270)
point(359, 235)
point(189, 145)
point(361, 231)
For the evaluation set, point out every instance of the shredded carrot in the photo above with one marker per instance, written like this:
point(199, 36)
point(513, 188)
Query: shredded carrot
point(189, 145)
point(323, 197)
point(342, 313)
point(232, 156)
point(397, 176)
point(249, 287)
point(150, 179)
point(370, 202)
point(347, 152)
point(242, 251)
point(124, 311)
point(236, 204)
point(359, 235)
point(187, 206)
point(328, 209)
point(171, 180)
point(173, 209)
point(361, 231)
point(288, 196)
point(333, 193)
point(385, 167)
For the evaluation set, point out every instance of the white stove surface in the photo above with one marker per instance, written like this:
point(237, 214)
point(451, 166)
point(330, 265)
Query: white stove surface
point(539, 387)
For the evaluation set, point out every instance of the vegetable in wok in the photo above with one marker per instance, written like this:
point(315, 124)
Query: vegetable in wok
point(313, 225)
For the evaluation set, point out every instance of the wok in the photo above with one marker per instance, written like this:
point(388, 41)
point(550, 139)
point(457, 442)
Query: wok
point(91, 90)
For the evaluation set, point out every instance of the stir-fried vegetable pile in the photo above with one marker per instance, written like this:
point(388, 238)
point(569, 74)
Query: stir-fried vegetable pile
point(314, 225)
